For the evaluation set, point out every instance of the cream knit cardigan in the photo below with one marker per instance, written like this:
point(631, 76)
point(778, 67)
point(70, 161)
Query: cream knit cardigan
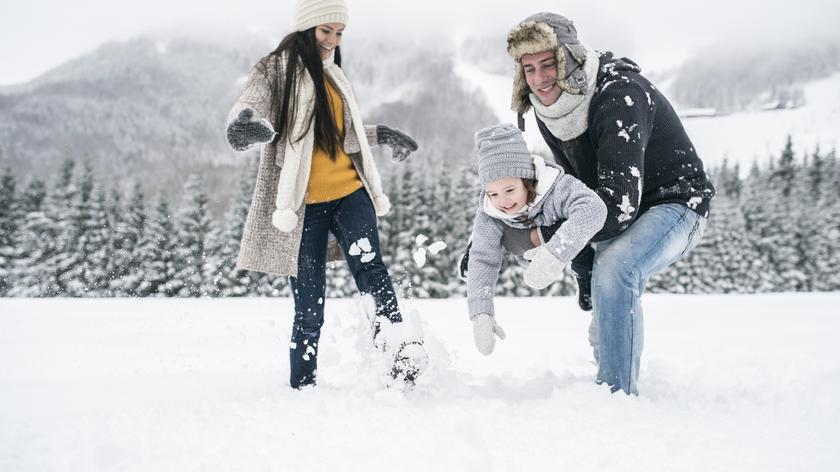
point(271, 238)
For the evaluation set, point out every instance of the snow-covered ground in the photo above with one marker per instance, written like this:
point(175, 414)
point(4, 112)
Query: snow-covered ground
point(739, 137)
point(728, 383)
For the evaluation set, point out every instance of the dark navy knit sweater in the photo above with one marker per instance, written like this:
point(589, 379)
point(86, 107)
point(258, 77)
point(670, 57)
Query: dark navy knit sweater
point(635, 153)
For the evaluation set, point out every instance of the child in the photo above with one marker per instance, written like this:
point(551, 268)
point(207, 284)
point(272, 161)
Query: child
point(522, 191)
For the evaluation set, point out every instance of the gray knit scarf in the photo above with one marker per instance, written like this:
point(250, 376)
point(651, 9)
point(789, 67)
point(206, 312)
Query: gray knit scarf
point(567, 117)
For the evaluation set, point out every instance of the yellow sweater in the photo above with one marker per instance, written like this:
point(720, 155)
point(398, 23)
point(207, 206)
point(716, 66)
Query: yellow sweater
point(328, 179)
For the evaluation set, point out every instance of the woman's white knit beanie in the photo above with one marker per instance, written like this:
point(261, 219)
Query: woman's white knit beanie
point(311, 13)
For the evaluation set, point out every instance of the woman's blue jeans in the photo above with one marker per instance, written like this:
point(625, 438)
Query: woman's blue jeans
point(352, 220)
point(623, 265)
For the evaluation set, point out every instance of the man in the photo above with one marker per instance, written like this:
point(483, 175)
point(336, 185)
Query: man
point(611, 128)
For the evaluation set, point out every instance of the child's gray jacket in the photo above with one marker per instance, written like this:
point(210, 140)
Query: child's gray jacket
point(559, 196)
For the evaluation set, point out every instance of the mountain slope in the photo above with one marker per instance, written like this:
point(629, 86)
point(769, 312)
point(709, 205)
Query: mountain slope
point(155, 110)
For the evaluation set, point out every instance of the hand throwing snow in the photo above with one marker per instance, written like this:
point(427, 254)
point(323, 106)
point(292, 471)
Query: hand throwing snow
point(245, 131)
point(401, 144)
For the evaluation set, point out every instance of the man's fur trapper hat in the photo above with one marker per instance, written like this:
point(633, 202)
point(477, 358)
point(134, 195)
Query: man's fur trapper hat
point(546, 32)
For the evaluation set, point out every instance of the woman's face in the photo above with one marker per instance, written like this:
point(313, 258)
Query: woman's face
point(508, 195)
point(328, 37)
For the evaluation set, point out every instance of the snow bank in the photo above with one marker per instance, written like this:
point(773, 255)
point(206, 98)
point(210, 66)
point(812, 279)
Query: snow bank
point(728, 383)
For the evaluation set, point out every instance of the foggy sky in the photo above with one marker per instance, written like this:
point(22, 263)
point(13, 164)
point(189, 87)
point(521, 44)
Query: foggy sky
point(37, 35)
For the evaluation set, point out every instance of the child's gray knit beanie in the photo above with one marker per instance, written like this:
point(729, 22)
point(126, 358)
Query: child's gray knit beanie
point(502, 153)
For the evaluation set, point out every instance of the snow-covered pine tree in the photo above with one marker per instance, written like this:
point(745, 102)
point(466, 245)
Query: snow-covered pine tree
point(29, 282)
point(157, 253)
point(785, 236)
point(82, 263)
point(229, 282)
point(390, 224)
point(465, 195)
point(51, 236)
point(757, 198)
point(403, 205)
point(416, 237)
point(212, 261)
point(11, 215)
point(129, 228)
point(118, 261)
point(97, 248)
point(821, 224)
point(442, 278)
point(193, 229)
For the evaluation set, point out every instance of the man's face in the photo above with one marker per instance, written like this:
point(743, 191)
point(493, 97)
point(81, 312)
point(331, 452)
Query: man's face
point(541, 74)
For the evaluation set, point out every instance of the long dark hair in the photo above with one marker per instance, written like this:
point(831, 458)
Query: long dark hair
point(301, 47)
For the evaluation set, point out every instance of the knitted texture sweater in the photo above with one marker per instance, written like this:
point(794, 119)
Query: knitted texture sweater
point(635, 152)
point(264, 248)
point(565, 197)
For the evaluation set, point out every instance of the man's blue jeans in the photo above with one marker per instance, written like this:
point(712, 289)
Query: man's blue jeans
point(352, 220)
point(623, 265)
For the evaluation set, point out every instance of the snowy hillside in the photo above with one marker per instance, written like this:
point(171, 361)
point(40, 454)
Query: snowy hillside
point(177, 385)
point(744, 137)
point(740, 137)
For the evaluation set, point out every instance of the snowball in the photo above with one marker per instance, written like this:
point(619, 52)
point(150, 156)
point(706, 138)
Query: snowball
point(419, 257)
point(364, 244)
point(436, 247)
point(354, 250)
point(693, 202)
point(626, 209)
point(623, 134)
point(420, 239)
point(368, 256)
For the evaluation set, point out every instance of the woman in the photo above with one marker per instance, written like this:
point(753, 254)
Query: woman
point(317, 177)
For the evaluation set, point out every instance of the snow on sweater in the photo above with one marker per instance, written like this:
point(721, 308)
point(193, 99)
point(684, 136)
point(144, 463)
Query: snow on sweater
point(635, 152)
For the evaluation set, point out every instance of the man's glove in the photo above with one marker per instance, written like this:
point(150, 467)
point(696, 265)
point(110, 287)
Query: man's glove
point(543, 269)
point(244, 132)
point(485, 330)
point(584, 283)
point(401, 144)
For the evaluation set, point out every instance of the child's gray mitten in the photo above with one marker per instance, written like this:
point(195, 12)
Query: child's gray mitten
point(401, 144)
point(244, 132)
point(485, 330)
point(544, 268)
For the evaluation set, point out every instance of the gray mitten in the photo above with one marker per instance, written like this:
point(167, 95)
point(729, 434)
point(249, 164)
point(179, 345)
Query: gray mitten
point(544, 268)
point(485, 330)
point(244, 132)
point(401, 144)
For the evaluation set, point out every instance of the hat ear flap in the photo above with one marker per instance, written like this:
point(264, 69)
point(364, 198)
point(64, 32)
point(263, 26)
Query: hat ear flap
point(571, 77)
point(519, 101)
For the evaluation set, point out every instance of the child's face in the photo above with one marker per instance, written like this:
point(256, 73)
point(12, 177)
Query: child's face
point(508, 195)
